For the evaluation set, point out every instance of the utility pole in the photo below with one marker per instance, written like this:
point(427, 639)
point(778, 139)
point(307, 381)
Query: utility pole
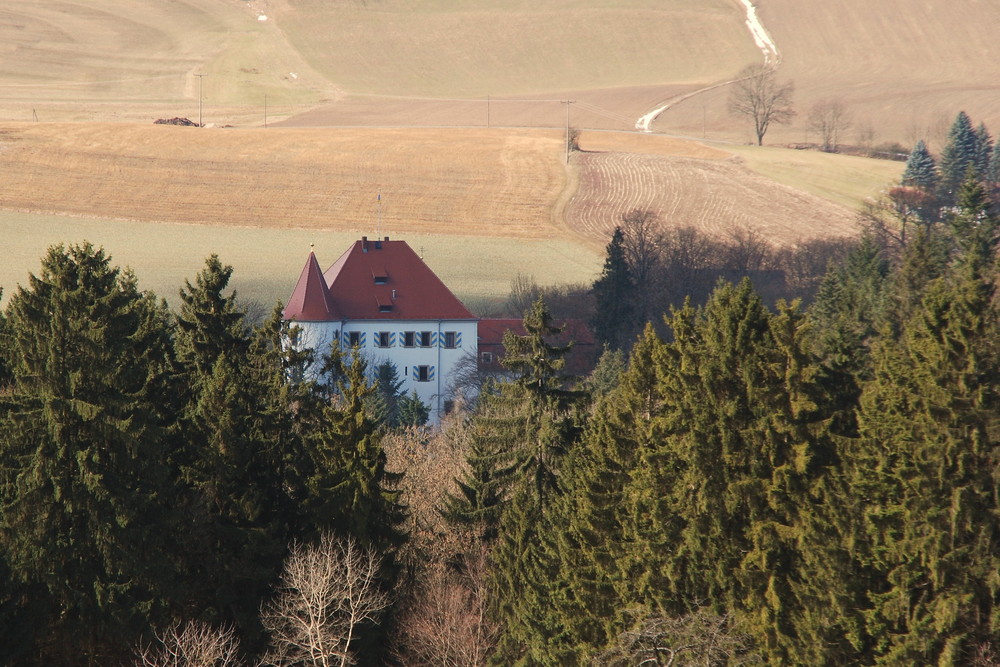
point(567, 103)
point(201, 81)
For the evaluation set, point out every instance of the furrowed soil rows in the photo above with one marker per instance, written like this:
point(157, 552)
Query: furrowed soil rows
point(716, 196)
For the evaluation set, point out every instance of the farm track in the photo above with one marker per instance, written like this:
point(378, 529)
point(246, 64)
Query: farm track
point(716, 196)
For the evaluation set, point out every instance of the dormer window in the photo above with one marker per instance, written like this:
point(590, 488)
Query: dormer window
point(381, 280)
point(385, 308)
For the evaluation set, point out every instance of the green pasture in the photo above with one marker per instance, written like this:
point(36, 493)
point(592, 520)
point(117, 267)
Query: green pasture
point(267, 262)
point(843, 179)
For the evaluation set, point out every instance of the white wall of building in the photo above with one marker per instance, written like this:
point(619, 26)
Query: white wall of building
point(427, 369)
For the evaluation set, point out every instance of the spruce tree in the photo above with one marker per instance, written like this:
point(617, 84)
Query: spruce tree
point(82, 453)
point(350, 491)
point(984, 150)
point(921, 170)
point(588, 523)
point(973, 223)
point(960, 153)
point(241, 516)
point(924, 466)
point(614, 292)
point(497, 432)
point(524, 557)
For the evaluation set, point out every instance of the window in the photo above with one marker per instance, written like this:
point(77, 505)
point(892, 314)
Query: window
point(423, 373)
point(381, 280)
point(486, 357)
point(408, 339)
point(383, 339)
point(385, 308)
point(450, 339)
point(424, 339)
point(354, 339)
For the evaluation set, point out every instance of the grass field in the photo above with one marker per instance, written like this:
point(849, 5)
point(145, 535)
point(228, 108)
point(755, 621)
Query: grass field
point(267, 262)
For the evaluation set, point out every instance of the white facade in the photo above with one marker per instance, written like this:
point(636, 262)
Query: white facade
point(426, 353)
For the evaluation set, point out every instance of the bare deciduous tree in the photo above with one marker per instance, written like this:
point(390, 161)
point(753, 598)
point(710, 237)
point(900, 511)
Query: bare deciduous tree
point(829, 118)
point(327, 591)
point(699, 638)
point(196, 645)
point(447, 624)
point(757, 95)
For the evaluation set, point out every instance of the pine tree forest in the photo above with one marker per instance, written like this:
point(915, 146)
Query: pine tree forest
point(741, 480)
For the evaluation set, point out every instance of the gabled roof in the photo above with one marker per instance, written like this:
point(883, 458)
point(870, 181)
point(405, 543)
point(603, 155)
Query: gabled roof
point(386, 280)
point(311, 300)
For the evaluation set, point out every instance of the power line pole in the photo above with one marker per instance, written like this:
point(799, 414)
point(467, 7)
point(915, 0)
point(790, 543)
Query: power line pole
point(201, 81)
point(567, 103)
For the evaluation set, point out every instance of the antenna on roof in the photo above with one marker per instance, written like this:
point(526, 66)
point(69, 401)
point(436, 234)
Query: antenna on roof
point(378, 222)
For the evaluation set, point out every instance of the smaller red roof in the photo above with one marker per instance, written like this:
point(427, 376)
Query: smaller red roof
point(311, 300)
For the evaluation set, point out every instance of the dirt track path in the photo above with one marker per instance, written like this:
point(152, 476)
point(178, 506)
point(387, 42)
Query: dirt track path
point(760, 37)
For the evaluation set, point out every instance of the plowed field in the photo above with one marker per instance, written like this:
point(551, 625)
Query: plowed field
point(713, 195)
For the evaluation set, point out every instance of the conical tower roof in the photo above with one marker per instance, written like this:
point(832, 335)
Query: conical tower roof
point(311, 300)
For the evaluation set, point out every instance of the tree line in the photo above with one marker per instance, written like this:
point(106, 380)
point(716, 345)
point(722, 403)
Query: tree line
point(752, 481)
point(155, 467)
point(811, 486)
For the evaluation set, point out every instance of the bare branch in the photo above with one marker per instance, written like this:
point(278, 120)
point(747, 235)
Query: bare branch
point(757, 95)
point(327, 591)
point(196, 645)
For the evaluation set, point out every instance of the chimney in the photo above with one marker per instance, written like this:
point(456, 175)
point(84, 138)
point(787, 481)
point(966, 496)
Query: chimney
point(364, 244)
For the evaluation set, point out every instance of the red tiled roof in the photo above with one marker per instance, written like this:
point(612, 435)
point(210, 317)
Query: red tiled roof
point(386, 280)
point(311, 300)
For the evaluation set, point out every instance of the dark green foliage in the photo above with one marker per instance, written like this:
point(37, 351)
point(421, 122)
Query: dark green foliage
point(384, 401)
point(925, 468)
point(921, 170)
point(239, 514)
point(614, 317)
point(588, 524)
point(412, 411)
point(525, 555)
point(961, 153)
point(350, 490)
point(497, 432)
point(82, 451)
point(974, 224)
point(984, 151)
point(537, 365)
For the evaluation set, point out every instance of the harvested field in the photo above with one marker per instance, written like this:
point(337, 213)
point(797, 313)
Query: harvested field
point(464, 182)
point(716, 196)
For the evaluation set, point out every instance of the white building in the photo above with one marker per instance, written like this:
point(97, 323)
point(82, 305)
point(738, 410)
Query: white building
point(381, 297)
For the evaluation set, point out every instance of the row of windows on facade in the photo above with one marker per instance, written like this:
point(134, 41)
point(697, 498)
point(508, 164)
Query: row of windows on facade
point(446, 339)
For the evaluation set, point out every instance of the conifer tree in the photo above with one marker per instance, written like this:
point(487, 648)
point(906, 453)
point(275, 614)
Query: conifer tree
point(924, 466)
point(524, 557)
point(921, 170)
point(538, 367)
point(384, 402)
point(849, 310)
point(960, 153)
point(210, 322)
point(974, 224)
point(588, 523)
point(984, 150)
point(350, 490)
point(241, 515)
point(614, 316)
point(412, 411)
point(82, 449)
point(497, 431)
